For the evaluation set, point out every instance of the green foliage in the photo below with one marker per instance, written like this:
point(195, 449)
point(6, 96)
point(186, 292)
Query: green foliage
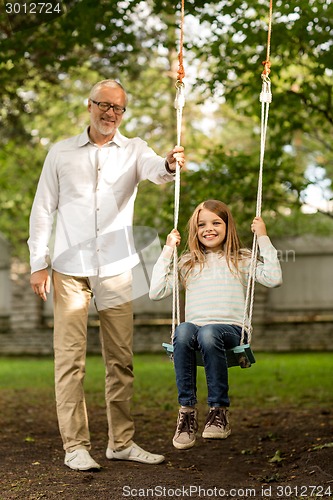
point(302, 75)
point(19, 177)
point(46, 71)
point(232, 178)
point(49, 114)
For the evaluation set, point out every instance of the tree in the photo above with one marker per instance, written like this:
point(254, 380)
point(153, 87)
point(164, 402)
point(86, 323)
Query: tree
point(43, 94)
point(48, 116)
point(233, 48)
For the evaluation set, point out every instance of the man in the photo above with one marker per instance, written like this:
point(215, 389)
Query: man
point(89, 182)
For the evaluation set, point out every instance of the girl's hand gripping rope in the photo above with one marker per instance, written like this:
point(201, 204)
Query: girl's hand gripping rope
point(173, 239)
point(258, 227)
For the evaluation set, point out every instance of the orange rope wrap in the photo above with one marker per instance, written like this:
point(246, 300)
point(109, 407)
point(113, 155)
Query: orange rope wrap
point(267, 63)
point(181, 71)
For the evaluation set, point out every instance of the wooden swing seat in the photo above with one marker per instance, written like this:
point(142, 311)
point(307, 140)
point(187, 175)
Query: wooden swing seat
point(240, 355)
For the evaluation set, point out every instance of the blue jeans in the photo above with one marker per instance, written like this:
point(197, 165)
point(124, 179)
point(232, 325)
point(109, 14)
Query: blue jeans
point(212, 340)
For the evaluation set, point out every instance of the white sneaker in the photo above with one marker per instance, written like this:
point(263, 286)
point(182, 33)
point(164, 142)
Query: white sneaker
point(80, 460)
point(136, 454)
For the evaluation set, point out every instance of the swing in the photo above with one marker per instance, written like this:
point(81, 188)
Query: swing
point(242, 354)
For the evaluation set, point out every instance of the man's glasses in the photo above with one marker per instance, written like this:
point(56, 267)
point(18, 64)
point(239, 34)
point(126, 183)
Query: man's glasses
point(105, 106)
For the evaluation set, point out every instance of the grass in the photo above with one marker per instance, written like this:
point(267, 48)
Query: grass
point(296, 379)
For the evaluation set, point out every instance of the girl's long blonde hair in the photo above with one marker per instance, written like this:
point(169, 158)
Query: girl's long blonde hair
point(195, 252)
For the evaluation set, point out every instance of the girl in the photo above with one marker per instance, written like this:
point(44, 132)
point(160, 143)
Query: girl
point(214, 273)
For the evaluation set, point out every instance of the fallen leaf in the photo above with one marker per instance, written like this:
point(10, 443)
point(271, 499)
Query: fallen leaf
point(277, 458)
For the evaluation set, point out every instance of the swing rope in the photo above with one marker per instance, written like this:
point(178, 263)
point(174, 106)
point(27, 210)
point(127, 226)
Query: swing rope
point(265, 99)
point(179, 105)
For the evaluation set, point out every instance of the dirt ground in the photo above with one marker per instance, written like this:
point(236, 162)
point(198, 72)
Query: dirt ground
point(280, 453)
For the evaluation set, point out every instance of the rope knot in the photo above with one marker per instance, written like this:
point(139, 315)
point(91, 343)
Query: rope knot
point(267, 67)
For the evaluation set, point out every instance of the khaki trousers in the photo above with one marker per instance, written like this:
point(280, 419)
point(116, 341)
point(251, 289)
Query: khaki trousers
point(72, 296)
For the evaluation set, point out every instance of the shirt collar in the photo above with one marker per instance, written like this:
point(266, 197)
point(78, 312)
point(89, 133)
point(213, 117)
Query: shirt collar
point(119, 139)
